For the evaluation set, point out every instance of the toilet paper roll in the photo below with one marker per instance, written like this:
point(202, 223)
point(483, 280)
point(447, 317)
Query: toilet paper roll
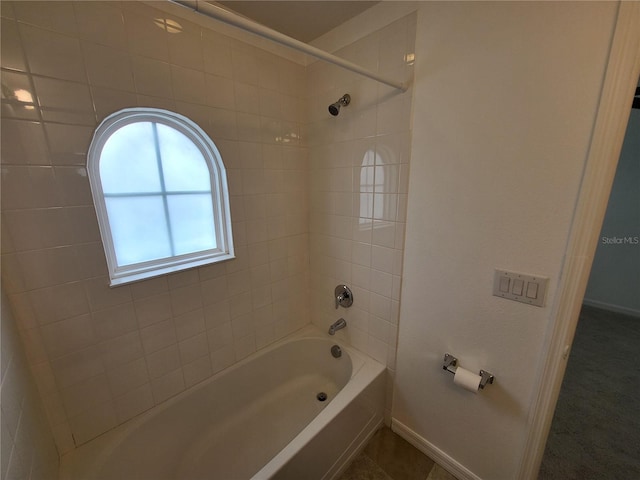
point(467, 380)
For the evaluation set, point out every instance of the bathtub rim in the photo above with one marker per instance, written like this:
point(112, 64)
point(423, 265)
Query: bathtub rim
point(97, 450)
point(369, 371)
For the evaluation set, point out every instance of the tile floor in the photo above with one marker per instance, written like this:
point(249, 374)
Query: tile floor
point(389, 457)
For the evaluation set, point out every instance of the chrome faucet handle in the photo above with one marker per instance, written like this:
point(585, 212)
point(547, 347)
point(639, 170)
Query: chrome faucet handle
point(344, 296)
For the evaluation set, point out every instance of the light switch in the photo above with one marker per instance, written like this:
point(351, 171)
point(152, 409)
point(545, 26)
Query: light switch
point(521, 287)
point(517, 287)
point(504, 284)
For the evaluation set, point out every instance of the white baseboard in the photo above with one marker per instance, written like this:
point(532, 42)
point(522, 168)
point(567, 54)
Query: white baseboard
point(454, 467)
point(611, 307)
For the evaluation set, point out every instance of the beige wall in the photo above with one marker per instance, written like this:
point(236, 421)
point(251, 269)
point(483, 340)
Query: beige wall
point(27, 447)
point(359, 167)
point(103, 355)
point(505, 101)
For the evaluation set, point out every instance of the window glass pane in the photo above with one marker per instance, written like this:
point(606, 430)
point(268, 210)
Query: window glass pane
point(191, 222)
point(366, 205)
point(128, 162)
point(185, 169)
point(139, 229)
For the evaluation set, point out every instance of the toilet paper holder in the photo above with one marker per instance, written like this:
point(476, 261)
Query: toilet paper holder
point(450, 364)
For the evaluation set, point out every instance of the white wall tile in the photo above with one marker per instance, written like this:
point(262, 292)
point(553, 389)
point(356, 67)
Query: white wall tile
point(30, 147)
point(121, 349)
point(24, 228)
point(244, 347)
point(193, 348)
point(245, 65)
point(144, 37)
point(63, 437)
point(186, 299)
point(19, 98)
point(101, 296)
point(188, 85)
point(114, 57)
point(52, 54)
point(214, 291)
point(91, 423)
point(150, 287)
point(162, 103)
point(189, 324)
point(27, 442)
point(78, 366)
point(220, 336)
point(217, 54)
point(23, 311)
point(222, 358)
point(86, 395)
point(68, 336)
point(182, 279)
point(248, 127)
point(73, 185)
point(127, 377)
point(163, 361)
point(6, 10)
point(185, 49)
point(34, 346)
point(107, 101)
point(101, 22)
point(216, 315)
point(81, 226)
point(222, 125)
point(43, 268)
point(158, 336)
point(12, 54)
point(220, 92)
point(381, 283)
point(247, 98)
point(134, 402)
point(68, 144)
point(197, 371)
point(152, 77)
point(168, 385)
point(151, 310)
point(43, 14)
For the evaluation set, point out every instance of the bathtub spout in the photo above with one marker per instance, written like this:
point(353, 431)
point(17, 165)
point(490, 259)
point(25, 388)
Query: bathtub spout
point(339, 324)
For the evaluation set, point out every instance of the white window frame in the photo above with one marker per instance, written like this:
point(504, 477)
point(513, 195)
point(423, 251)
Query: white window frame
point(122, 274)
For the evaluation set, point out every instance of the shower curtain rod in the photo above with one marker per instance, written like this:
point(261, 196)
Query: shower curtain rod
point(218, 13)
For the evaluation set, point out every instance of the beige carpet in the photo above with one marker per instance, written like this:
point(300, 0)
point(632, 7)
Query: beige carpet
point(595, 434)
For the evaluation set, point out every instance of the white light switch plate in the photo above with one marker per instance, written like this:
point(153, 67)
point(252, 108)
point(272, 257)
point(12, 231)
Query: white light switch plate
point(521, 287)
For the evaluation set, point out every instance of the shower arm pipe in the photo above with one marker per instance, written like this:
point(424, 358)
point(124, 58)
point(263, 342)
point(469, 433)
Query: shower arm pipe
point(219, 13)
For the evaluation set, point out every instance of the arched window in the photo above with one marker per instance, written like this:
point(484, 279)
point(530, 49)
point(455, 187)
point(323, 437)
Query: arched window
point(160, 192)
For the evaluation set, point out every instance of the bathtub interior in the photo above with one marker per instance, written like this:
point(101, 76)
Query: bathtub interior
point(203, 430)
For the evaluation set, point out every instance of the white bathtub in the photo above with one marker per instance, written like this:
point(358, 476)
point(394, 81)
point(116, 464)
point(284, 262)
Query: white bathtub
point(258, 419)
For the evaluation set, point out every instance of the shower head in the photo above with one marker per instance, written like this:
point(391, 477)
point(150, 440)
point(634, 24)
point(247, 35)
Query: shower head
point(334, 108)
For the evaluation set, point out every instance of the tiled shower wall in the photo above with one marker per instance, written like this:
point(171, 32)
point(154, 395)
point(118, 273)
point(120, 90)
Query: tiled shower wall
point(28, 448)
point(102, 355)
point(359, 167)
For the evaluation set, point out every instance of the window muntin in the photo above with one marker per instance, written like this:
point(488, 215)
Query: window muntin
point(160, 190)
